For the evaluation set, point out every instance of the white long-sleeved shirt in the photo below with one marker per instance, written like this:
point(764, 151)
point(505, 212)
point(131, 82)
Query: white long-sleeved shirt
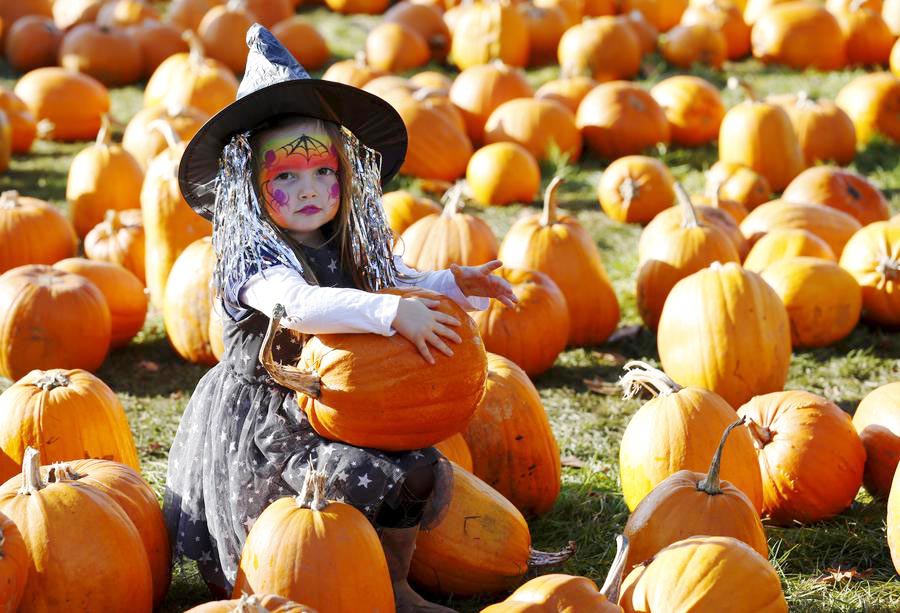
point(328, 310)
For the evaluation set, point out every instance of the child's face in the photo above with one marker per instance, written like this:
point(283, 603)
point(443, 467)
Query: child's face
point(298, 166)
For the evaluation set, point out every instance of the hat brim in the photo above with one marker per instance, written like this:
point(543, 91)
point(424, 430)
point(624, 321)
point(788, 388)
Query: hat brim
point(372, 120)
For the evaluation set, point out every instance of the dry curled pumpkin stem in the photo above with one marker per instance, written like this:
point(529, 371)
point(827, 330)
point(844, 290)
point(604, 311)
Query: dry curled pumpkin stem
point(613, 582)
point(453, 200)
point(889, 268)
point(312, 493)
point(541, 559)
point(291, 377)
point(640, 376)
point(689, 219)
point(197, 52)
point(735, 83)
point(52, 379)
point(167, 131)
point(104, 136)
point(32, 482)
point(762, 436)
point(711, 484)
point(549, 216)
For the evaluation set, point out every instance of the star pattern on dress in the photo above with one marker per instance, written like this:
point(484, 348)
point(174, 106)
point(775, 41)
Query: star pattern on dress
point(205, 557)
point(333, 265)
point(364, 481)
point(248, 523)
point(341, 476)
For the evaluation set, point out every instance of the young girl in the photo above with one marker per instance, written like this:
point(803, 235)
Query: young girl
point(291, 175)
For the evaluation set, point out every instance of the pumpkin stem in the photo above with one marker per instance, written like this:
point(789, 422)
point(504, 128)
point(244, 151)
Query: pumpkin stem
point(291, 377)
point(31, 472)
point(9, 199)
point(60, 472)
point(735, 83)
point(312, 493)
point(104, 136)
point(112, 219)
point(762, 436)
point(889, 268)
point(613, 581)
point(52, 379)
point(360, 58)
point(166, 129)
point(540, 559)
point(711, 484)
point(249, 603)
point(689, 219)
point(453, 200)
point(197, 52)
point(548, 217)
point(629, 190)
point(640, 376)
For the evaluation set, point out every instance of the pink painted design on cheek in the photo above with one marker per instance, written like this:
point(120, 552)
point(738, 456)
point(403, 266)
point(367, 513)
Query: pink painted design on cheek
point(336, 191)
point(269, 157)
point(280, 197)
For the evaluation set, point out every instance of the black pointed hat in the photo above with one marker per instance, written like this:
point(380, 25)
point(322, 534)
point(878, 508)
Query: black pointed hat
point(274, 84)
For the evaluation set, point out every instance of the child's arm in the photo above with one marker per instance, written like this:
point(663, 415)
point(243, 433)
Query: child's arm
point(471, 287)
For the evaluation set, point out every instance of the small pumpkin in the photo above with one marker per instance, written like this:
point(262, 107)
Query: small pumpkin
point(438, 148)
point(796, 433)
point(872, 256)
point(21, 121)
point(693, 108)
point(633, 189)
point(673, 218)
point(145, 143)
point(619, 118)
point(354, 71)
point(303, 40)
point(782, 243)
point(70, 104)
point(831, 225)
point(223, 31)
point(873, 103)
point(503, 173)
point(545, 128)
point(33, 42)
point(427, 21)
point(603, 48)
point(840, 189)
point(478, 90)
point(119, 239)
point(877, 421)
point(32, 232)
point(188, 300)
point(824, 130)
point(733, 181)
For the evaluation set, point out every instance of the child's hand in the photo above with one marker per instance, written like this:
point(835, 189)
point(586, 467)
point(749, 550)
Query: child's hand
point(420, 324)
point(478, 281)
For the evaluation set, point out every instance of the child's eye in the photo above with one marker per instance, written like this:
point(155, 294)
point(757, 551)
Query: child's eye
point(324, 170)
point(284, 176)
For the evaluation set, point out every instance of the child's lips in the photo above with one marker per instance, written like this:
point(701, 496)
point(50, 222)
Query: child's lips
point(309, 210)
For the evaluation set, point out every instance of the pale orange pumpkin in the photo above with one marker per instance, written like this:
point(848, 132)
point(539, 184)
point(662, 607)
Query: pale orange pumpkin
point(783, 243)
point(792, 34)
point(188, 301)
point(872, 255)
point(123, 13)
point(732, 181)
point(560, 247)
point(693, 108)
point(303, 40)
point(890, 11)
point(544, 127)
point(877, 421)
point(840, 189)
point(503, 173)
point(33, 232)
point(33, 42)
point(831, 225)
point(796, 433)
point(619, 118)
point(868, 38)
point(486, 32)
point(873, 103)
point(13, 564)
point(633, 189)
point(673, 218)
point(824, 130)
point(478, 90)
point(70, 104)
point(110, 55)
point(603, 48)
point(119, 239)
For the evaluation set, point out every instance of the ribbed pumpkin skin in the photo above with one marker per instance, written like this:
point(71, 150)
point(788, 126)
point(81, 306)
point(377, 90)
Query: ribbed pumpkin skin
point(513, 448)
point(873, 256)
point(170, 225)
point(267, 602)
point(535, 332)
point(619, 118)
point(69, 527)
point(823, 300)
point(635, 188)
point(873, 103)
point(831, 225)
point(186, 79)
point(419, 405)
point(840, 189)
point(313, 556)
point(704, 574)
point(119, 239)
point(478, 90)
point(436, 241)
point(33, 232)
point(824, 130)
point(14, 564)
point(188, 303)
point(737, 182)
point(783, 243)
point(487, 32)
point(456, 449)
point(671, 219)
point(805, 433)
point(693, 107)
point(681, 431)
point(50, 319)
point(877, 420)
point(793, 35)
point(438, 149)
point(555, 593)
point(80, 419)
point(123, 291)
point(724, 329)
point(133, 494)
point(481, 546)
point(760, 136)
point(73, 102)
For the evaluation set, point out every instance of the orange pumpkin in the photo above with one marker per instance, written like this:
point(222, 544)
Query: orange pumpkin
point(673, 218)
point(394, 47)
point(11, 12)
point(303, 40)
point(123, 13)
point(560, 247)
point(619, 118)
point(693, 108)
point(403, 210)
point(732, 181)
point(187, 14)
point(13, 564)
point(603, 48)
point(340, 393)
point(50, 319)
point(792, 34)
point(868, 38)
point(437, 149)
point(427, 21)
point(66, 415)
point(513, 448)
point(840, 189)
point(725, 15)
point(69, 14)
point(188, 300)
point(873, 103)
point(258, 603)
point(829, 224)
point(478, 90)
point(145, 143)
point(569, 91)
point(797, 433)
point(546, 25)
point(872, 255)
point(158, 41)
point(735, 209)
point(633, 189)
point(123, 291)
point(33, 42)
point(782, 243)
point(540, 313)
point(679, 429)
point(32, 232)
point(355, 71)
point(486, 32)
point(223, 31)
point(22, 122)
point(347, 7)
point(71, 104)
point(270, 12)
point(824, 130)
point(699, 43)
point(647, 33)
point(689, 503)
point(503, 173)
point(119, 239)
point(877, 421)
point(663, 14)
point(456, 449)
point(110, 55)
point(544, 127)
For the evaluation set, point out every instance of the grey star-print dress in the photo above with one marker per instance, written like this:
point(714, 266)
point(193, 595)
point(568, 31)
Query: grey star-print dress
point(243, 442)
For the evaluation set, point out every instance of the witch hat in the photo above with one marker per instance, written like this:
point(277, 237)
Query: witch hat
point(275, 84)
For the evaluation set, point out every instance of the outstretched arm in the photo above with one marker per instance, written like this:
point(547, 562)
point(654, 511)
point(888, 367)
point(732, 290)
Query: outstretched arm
point(480, 285)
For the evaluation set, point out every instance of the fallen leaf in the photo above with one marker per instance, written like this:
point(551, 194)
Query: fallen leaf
point(624, 333)
point(149, 366)
point(599, 386)
point(839, 575)
point(572, 462)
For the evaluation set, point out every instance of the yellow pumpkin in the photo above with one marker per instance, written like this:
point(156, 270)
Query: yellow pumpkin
point(872, 256)
point(873, 103)
point(486, 32)
point(503, 173)
point(831, 225)
point(188, 302)
point(693, 108)
point(782, 243)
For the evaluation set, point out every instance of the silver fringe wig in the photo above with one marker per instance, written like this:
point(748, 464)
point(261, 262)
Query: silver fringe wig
point(245, 242)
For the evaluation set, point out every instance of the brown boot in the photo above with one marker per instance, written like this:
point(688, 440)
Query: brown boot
point(399, 544)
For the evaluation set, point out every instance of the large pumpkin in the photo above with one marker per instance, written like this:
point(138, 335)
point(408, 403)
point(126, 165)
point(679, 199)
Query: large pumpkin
point(513, 448)
point(693, 108)
point(32, 232)
point(123, 291)
point(793, 34)
point(71, 103)
point(478, 90)
point(782, 243)
point(14, 563)
point(620, 118)
point(560, 247)
point(873, 256)
point(603, 48)
point(188, 301)
point(486, 32)
point(688, 503)
point(873, 103)
point(829, 224)
point(50, 319)
point(824, 130)
point(110, 55)
point(223, 31)
point(724, 329)
point(893, 521)
point(679, 429)
point(255, 603)
point(877, 420)
point(438, 148)
point(535, 331)
point(46, 511)
point(635, 188)
point(451, 237)
point(675, 217)
point(343, 390)
point(310, 549)
point(101, 177)
point(841, 189)
point(704, 574)
point(796, 433)
point(119, 239)
point(546, 128)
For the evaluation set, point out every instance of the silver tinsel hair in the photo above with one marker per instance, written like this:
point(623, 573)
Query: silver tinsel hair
point(245, 242)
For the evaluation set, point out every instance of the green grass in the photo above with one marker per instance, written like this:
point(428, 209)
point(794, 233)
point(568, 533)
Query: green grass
point(588, 426)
